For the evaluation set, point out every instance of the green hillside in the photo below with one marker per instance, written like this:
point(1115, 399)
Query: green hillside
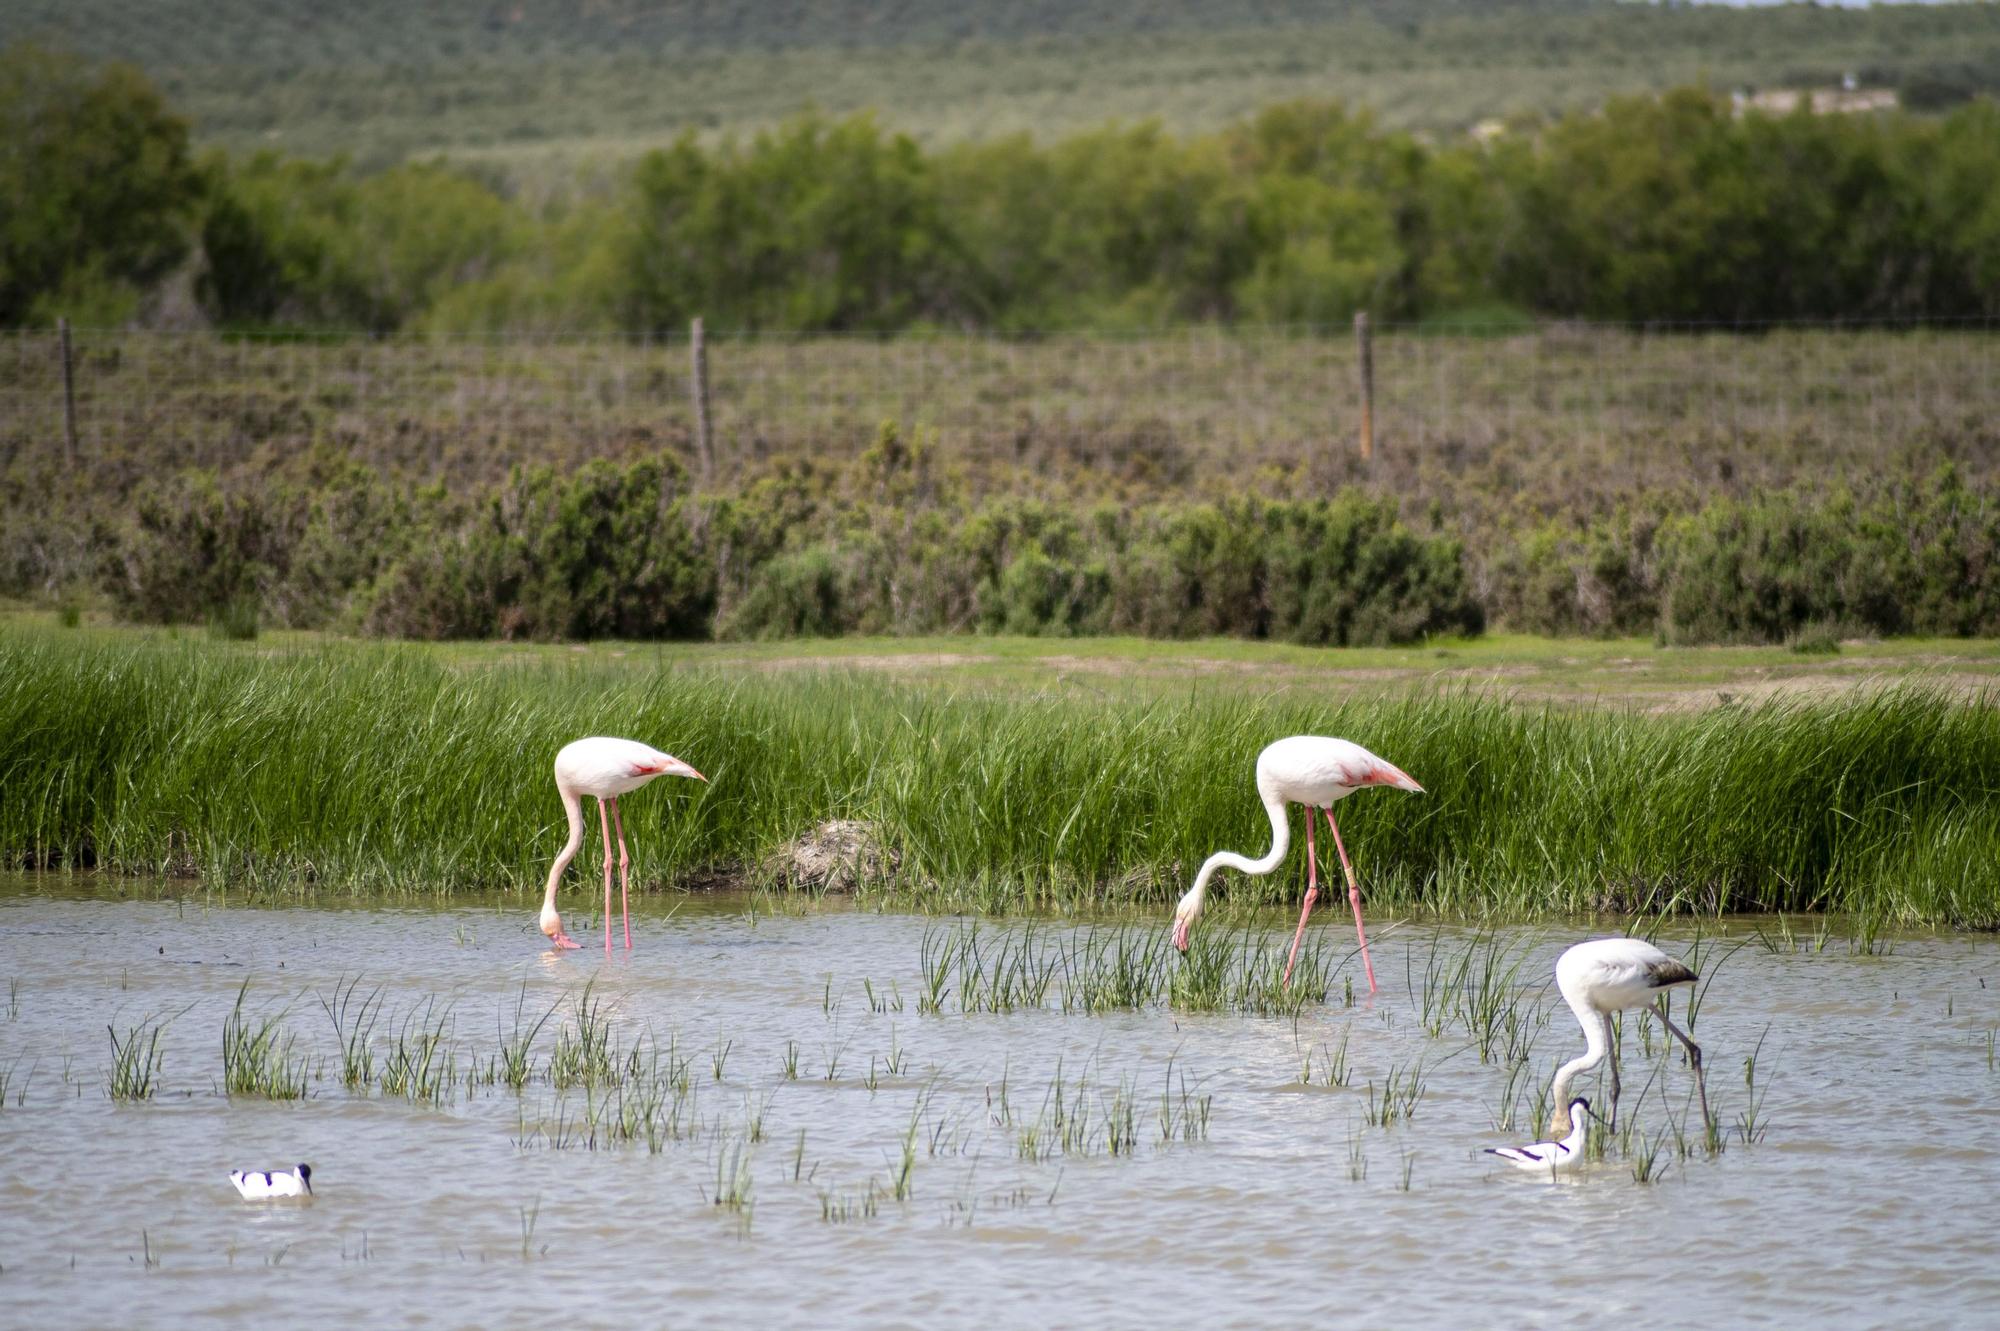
point(529, 79)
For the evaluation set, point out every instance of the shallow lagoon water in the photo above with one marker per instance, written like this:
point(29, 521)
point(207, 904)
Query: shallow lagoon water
point(1868, 1201)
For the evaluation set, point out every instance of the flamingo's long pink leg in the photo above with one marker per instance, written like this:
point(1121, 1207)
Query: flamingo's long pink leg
point(624, 878)
point(1354, 898)
point(604, 817)
point(1312, 895)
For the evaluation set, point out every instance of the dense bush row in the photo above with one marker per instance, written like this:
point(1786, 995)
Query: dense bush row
point(614, 551)
point(1652, 209)
point(883, 547)
point(1910, 555)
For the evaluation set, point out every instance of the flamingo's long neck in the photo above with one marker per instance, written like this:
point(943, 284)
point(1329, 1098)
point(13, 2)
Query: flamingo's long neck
point(1597, 1043)
point(1281, 841)
point(573, 806)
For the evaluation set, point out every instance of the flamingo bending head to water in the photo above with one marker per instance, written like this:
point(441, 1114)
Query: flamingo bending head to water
point(1608, 975)
point(1315, 771)
point(606, 768)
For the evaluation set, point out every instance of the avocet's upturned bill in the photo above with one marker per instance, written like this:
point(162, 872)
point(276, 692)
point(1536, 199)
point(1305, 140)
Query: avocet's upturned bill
point(1557, 1157)
point(256, 1185)
point(606, 768)
point(1315, 771)
point(1609, 975)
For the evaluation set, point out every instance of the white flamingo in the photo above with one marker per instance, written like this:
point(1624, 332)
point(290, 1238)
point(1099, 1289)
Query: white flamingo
point(1609, 975)
point(1315, 771)
point(606, 768)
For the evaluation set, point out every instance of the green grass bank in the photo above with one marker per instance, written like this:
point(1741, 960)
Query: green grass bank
point(388, 768)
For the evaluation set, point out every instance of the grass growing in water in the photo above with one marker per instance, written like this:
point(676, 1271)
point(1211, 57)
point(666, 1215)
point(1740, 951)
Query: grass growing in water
point(257, 1060)
point(136, 1059)
point(1118, 967)
point(353, 1015)
point(127, 755)
point(421, 1065)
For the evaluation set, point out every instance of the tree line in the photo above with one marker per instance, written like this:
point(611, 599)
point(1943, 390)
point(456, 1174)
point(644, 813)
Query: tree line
point(1650, 209)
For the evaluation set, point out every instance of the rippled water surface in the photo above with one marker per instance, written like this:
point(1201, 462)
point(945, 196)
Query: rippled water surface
point(1860, 1193)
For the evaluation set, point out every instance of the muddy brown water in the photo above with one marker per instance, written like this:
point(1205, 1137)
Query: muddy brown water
point(1868, 1198)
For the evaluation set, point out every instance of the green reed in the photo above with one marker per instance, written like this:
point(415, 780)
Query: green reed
point(1647, 1166)
point(1183, 1115)
point(354, 1015)
point(136, 1058)
point(1357, 1157)
point(127, 753)
point(257, 1059)
point(1396, 1102)
point(584, 1054)
point(732, 1177)
point(1476, 987)
point(517, 1046)
point(421, 1065)
point(1118, 967)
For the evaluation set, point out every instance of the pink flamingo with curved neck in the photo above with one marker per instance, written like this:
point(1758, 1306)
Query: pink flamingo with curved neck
point(606, 768)
point(1315, 771)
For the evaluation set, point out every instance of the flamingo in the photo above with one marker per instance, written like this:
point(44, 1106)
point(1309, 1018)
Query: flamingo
point(1609, 975)
point(1552, 1157)
point(606, 768)
point(1315, 771)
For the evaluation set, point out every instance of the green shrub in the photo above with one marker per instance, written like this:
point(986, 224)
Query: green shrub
point(1914, 558)
point(793, 596)
point(194, 549)
point(234, 620)
point(619, 551)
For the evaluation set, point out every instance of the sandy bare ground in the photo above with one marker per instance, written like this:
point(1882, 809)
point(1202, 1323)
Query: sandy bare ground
point(1660, 686)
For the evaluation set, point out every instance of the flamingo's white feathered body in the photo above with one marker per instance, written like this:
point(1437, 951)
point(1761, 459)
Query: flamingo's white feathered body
point(1316, 771)
point(1598, 978)
point(606, 768)
point(1553, 1157)
point(256, 1185)
point(1617, 974)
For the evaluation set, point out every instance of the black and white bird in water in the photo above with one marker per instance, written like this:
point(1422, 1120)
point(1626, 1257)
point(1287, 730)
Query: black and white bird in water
point(256, 1185)
point(1552, 1157)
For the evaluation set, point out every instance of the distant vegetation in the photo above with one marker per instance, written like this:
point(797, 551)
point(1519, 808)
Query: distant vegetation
point(1666, 208)
point(538, 84)
point(1649, 207)
point(896, 542)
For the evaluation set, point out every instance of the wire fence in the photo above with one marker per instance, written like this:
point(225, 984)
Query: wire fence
point(1160, 406)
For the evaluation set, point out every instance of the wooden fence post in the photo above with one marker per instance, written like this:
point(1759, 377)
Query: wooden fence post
point(703, 435)
point(69, 393)
point(1361, 335)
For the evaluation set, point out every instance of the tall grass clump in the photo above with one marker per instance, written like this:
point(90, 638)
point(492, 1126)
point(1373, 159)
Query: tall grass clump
point(282, 770)
point(136, 1057)
point(257, 1058)
point(354, 1015)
